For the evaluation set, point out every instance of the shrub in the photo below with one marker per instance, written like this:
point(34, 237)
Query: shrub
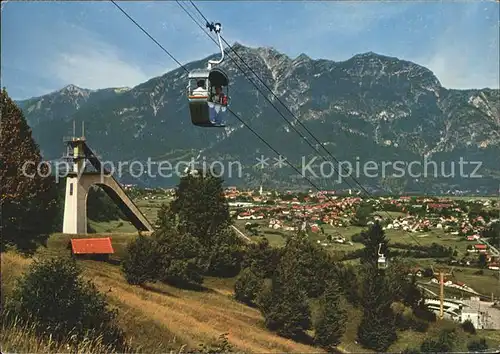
point(402, 322)
point(54, 296)
point(468, 327)
point(359, 238)
point(222, 345)
point(477, 345)
point(226, 254)
point(444, 343)
point(420, 326)
point(422, 312)
point(247, 287)
point(179, 261)
point(261, 258)
point(140, 261)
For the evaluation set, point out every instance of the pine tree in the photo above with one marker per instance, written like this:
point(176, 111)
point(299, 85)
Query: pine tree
point(377, 329)
point(285, 308)
point(200, 209)
point(247, 287)
point(402, 288)
point(332, 320)
point(347, 278)
point(373, 238)
point(28, 199)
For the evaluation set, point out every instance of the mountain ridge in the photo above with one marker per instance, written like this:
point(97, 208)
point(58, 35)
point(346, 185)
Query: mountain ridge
point(369, 103)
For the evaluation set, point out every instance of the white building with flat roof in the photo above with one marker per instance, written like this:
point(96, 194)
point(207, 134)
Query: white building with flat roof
point(481, 313)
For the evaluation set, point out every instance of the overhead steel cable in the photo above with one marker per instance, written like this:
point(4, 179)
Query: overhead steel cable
point(278, 99)
point(147, 34)
point(232, 112)
point(258, 88)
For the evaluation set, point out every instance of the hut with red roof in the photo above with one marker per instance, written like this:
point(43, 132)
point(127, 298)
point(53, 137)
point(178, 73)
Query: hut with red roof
point(93, 248)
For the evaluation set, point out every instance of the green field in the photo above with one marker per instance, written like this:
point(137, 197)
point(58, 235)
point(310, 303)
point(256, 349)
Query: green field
point(161, 317)
point(250, 335)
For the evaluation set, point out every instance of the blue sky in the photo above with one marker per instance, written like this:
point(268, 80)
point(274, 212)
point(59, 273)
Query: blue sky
point(48, 45)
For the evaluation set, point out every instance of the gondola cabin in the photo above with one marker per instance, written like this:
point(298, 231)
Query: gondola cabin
point(382, 260)
point(208, 97)
point(382, 263)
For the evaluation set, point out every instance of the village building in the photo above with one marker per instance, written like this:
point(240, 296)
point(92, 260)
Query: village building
point(91, 248)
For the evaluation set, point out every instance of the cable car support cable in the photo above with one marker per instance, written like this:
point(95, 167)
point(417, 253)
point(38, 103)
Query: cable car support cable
point(278, 99)
point(232, 112)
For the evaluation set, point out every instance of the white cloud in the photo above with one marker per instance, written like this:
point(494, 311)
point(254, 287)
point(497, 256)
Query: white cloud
point(96, 69)
point(455, 69)
point(462, 57)
point(95, 64)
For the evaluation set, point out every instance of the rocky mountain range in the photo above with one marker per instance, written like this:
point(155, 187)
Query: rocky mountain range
point(368, 108)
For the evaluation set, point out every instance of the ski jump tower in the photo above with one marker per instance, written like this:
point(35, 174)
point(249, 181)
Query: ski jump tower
point(78, 183)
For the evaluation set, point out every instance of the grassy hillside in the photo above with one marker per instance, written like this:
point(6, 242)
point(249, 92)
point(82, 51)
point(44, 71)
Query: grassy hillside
point(487, 283)
point(158, 317)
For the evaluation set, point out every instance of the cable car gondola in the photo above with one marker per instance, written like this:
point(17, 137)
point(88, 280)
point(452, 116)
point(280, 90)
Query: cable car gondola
point(381, 261)
point(207, 91)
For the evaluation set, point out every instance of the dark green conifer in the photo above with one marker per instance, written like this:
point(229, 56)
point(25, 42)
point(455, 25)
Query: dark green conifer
point(28, 197)
point(332, 319)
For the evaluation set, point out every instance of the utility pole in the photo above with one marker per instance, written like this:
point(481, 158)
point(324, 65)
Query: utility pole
point(441, 295)
point(442, 274)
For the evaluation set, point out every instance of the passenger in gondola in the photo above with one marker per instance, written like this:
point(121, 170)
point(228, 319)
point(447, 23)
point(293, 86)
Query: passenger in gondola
point(214, 115)
point(200, 90)
point(219, 97)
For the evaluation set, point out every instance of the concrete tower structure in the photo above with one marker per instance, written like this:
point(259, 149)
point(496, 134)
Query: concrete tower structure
point(78, 183)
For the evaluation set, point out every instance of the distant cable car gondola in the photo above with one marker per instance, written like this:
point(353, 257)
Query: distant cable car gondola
point(207, 99)
point(381, 261)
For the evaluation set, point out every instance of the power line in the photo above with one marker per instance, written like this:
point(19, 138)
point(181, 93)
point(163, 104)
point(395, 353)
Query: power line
point(258, 89)
point(254, 84)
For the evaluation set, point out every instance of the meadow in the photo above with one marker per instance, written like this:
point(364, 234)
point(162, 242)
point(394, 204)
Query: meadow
point(159, 317)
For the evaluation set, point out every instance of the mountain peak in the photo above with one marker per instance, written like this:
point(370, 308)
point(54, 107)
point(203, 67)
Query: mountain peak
point(371, 62)
point(237, 45)
point(368, 55)
point(71, 87)
point(302, 56)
